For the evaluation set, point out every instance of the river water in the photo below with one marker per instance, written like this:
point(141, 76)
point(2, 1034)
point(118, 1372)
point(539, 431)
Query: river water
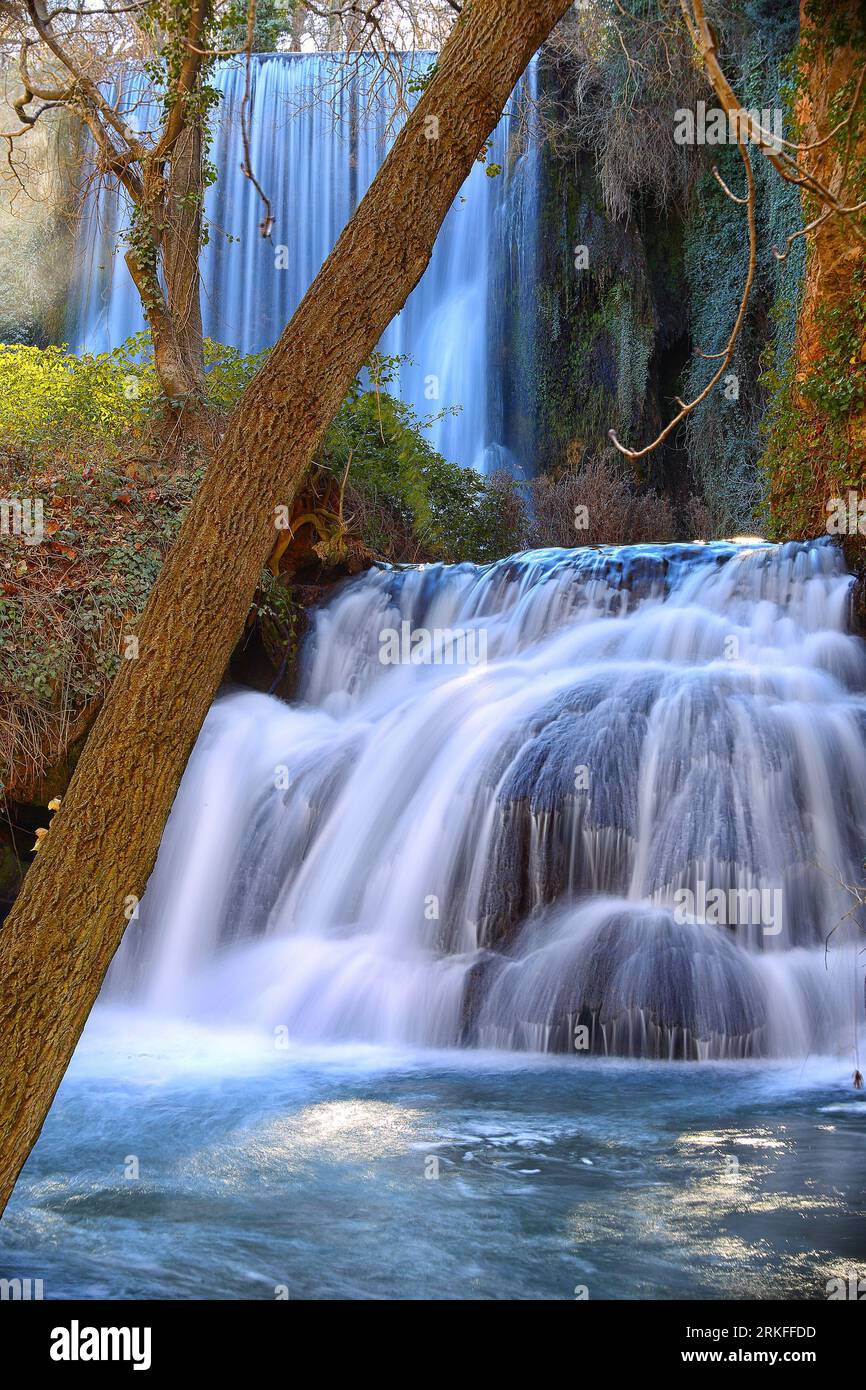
point(310, 1173)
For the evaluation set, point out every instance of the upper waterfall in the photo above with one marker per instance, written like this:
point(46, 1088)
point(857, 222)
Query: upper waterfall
point(334, 128)
point(612, 796)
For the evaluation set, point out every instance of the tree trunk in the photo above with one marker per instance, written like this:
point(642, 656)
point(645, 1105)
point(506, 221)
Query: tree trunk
point(834, 255)
point(353, 31)
point(818, 446)
point(173, 309)
point(69, 918)
point(180, 256)
point(298, 21)
point(335, 26)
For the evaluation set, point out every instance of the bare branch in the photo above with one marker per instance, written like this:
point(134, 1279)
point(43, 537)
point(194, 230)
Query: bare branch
point(267, 222)
point(83, 84)
point(785, 165)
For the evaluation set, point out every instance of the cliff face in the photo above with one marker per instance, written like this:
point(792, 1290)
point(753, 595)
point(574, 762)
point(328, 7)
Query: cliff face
point(621, 336)
point(834, 53)
point(611, 308)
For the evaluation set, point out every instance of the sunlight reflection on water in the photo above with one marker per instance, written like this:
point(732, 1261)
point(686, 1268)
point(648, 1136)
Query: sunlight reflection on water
point(315, 1169)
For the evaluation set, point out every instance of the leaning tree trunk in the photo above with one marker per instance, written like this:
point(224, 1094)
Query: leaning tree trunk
point(69, 918)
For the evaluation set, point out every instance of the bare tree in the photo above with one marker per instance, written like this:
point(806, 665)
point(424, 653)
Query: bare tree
point(135, 73)
point(375, 25)
point(373, 38)
point(618, 82)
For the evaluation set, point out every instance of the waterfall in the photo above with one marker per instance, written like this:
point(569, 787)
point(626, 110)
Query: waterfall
point(318, 138)
point(599, 800)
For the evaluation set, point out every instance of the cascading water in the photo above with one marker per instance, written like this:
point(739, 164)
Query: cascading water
point(626, 830)
point(318, 137)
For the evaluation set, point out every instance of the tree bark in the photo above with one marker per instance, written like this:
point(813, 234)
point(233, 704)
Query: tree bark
point(180, 257)
point(298, 20)
point(172, 206)
point(817, 448)
point(69, 918)
point(834, 255)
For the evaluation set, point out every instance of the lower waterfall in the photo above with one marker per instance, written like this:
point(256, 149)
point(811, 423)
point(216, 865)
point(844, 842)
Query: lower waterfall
point(584, 801)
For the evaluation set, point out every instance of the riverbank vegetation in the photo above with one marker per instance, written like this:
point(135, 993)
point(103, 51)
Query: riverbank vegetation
point(77, 433)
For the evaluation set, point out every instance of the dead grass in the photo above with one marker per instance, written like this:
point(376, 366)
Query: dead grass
point(595, 503)
point(67, 602)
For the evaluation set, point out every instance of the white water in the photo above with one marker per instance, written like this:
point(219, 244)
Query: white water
point(488, 855)
point(317, 141)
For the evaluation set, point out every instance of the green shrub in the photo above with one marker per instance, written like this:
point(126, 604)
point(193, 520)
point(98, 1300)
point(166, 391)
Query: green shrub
point(405, 500)
point(48, 393)
point(51, 398)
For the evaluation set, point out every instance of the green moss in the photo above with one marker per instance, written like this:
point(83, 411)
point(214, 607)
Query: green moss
point(597, 324)
point(724, 434)
point(838, 386)
point(613, 338)
point(808, 458)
